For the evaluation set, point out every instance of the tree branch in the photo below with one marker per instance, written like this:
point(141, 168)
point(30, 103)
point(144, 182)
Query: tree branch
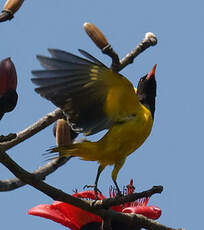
point(128, 198)
point(33, 129)
point(102, 43)
point(41, 173)
point(117, 65)
point(26, 177)
point(149, 40)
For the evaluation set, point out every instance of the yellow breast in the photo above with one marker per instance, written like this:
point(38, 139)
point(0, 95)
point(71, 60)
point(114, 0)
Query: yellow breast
point(124, 138)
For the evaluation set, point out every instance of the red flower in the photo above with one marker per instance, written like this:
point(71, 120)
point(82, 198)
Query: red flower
point(76, 218)
point(8, 84)
point(137, 207)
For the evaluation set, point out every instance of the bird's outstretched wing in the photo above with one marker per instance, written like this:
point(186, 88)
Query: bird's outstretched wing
point(86, 90)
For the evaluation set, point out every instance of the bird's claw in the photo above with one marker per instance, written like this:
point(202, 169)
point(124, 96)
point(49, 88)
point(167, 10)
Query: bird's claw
point(119, 194)
point(96, 190)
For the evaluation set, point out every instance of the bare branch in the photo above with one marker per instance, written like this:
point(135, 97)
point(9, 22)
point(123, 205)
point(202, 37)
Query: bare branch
point(9, 137)
point(139, 221)
point(149, 40)
point(63, 137)
point(117, 65)
point(42, 172)
point(129, 219)
point(29, 178)
point(102, 43)
point(33, 129)
point(128, 198)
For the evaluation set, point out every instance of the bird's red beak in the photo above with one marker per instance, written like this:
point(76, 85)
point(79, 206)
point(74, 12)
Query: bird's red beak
point(152, 72)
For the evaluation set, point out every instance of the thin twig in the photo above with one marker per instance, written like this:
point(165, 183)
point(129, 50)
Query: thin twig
point(108, 50)
point(56, 194)
point(117, 65)
point(102, 43)
point(33, 129)
point(42, 172)
point(62, 131)
point(149, 40)
point(128, 198)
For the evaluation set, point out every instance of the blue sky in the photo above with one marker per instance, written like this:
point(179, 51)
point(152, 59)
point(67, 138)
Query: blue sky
point(173, 154)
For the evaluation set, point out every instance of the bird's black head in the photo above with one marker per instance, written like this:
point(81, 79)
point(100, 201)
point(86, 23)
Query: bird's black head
point(146, 90)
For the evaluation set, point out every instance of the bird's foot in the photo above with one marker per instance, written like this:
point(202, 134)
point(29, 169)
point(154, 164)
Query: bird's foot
point(9, 137)
point(118, 194)
point(95, 188)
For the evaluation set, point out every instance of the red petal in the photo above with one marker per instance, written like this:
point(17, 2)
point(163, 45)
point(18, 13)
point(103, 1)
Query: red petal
point(117, 208)
point(151, 212)
point(89, 194)
point(50, 212)
point(65, 214)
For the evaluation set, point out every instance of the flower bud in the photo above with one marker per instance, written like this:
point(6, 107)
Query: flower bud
point(8, 76)
point(8, 84)
point(12, 5)
point(96, 35)
point(62, 133)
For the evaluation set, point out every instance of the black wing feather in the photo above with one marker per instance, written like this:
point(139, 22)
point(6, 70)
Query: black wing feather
point(68, 57)
point(68, 83)
point(92, 58)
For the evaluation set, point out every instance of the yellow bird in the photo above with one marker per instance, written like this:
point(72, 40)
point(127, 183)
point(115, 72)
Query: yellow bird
point(95, 98)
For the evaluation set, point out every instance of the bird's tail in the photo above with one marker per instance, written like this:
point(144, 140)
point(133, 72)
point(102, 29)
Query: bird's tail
point(85, 150)
point(65, 151)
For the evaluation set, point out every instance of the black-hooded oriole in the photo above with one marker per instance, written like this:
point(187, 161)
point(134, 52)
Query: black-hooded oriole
point(95, 98)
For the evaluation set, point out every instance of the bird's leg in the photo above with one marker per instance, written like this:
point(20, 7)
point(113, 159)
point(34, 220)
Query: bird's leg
point(115, 171)
point(118, 190)
point(95, 186)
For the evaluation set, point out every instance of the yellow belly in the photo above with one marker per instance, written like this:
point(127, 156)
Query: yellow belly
point(123, 139)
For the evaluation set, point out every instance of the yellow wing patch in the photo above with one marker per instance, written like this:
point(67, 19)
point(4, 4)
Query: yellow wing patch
point(121, 100)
